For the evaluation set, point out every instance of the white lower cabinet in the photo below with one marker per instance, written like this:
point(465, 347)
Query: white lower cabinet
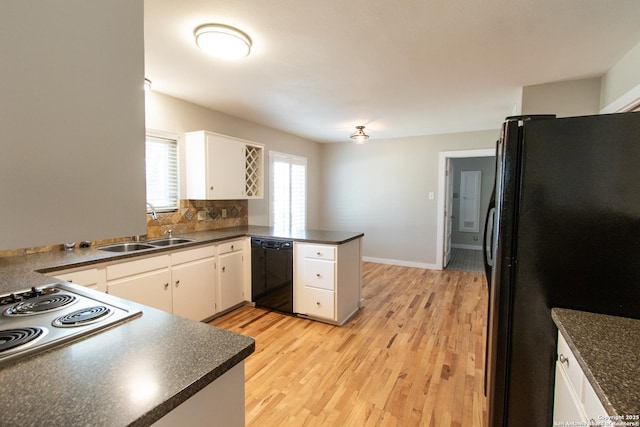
point(327, 280)
point(182, 283)
point(575, 401)
point(566, 404)
point(145, 281)
point(230, 274)
point(193, 283)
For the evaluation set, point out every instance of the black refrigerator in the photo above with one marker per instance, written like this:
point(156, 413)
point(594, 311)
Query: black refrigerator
point(565, 232)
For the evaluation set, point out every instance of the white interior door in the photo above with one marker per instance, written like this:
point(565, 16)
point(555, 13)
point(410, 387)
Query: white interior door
point(448, 211)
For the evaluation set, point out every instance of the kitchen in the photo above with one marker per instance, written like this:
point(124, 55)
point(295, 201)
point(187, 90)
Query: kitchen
point(332, 169)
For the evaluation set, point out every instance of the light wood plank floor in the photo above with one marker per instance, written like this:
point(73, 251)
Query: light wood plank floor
point(413, 356)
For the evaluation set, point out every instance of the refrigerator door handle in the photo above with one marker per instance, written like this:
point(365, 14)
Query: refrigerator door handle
point(487, 249)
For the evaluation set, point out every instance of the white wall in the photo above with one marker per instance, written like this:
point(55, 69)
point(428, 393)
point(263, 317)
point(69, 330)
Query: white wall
point(382, 189)
point(564, 99)
point(71, 121)
point(174, 115)
point(621, 84)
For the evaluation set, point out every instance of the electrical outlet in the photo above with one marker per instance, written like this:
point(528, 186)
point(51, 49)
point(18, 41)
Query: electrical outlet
point(202, 215)
point(224, 213)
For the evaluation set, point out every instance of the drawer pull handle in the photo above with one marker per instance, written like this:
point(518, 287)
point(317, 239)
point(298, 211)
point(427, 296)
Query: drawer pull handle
point(563, 359)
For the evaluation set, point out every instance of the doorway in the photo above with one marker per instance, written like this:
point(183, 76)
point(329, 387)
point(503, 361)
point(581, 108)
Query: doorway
point(446, 202)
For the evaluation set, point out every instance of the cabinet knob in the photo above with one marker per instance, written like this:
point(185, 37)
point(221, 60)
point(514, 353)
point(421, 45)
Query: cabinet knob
point(231, 247)
point(211, 188)
point(223, 269)
point(318, 253)
point(317, 274)
point(177, 282)
point(318, 303)
point(166, 286)
point(563, 359)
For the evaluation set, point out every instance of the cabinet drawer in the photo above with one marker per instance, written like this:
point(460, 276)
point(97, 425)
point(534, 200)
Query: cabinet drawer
point(88, 277)
point(570, 365)
point(193, 254)
point(130, 268)
point(320, 252)
point(319, 303)
point(226, 247)
point(319, 274)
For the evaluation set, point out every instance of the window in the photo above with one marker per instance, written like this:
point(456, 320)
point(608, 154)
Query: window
point(288, 191)
point(161, 161)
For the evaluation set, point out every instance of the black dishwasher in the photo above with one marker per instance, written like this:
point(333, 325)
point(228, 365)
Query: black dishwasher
point(272, 274)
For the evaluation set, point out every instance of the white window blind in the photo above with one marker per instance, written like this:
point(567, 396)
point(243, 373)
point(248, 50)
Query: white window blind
point(162, 172)
point(288, 191)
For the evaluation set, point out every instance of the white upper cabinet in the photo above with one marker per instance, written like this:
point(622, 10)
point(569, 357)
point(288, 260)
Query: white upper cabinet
point(220, 167)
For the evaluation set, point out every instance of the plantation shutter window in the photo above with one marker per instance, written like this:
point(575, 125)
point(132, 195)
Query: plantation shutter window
point(288, 191)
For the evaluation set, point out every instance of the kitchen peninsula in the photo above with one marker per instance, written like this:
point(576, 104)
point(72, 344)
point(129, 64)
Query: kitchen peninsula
point(139, 371)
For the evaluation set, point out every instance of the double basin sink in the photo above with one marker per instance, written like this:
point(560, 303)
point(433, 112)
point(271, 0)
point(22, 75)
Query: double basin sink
point(137, 246)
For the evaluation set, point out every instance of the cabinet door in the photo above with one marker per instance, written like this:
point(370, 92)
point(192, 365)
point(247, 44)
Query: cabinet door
point(230, 280)
point(194, 289)
point(225, 168)
point(151, 288)
point(566, 406)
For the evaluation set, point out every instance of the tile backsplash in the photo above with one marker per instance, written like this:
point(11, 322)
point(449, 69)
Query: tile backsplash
point(192, 215)
point(199, 215)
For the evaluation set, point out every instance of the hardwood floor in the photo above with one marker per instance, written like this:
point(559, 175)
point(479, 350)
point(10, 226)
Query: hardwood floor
point(413, 356)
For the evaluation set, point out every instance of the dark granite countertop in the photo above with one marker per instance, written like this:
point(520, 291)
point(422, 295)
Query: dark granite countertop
point(24, 271)
point(608, 351)
point(131, 374)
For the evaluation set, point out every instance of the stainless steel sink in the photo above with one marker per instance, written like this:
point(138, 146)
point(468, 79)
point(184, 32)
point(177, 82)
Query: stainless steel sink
point(126, 247)
point(170, 241)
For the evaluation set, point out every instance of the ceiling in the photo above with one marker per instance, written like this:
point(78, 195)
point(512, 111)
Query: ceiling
point(412, 67)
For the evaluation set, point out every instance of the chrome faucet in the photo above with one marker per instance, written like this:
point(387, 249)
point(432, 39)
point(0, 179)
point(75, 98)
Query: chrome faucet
point(170, 233)
point(154, 215)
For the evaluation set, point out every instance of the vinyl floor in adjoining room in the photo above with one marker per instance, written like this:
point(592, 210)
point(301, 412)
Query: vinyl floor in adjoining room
point(412, 356)
point(466, 260)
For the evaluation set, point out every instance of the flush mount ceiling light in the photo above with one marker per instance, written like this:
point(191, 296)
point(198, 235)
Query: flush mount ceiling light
point(359, 137)
point(222, 41)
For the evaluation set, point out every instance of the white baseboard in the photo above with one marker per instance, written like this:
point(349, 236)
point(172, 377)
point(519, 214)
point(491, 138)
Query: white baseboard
point(472, 247)
point(401, 263)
